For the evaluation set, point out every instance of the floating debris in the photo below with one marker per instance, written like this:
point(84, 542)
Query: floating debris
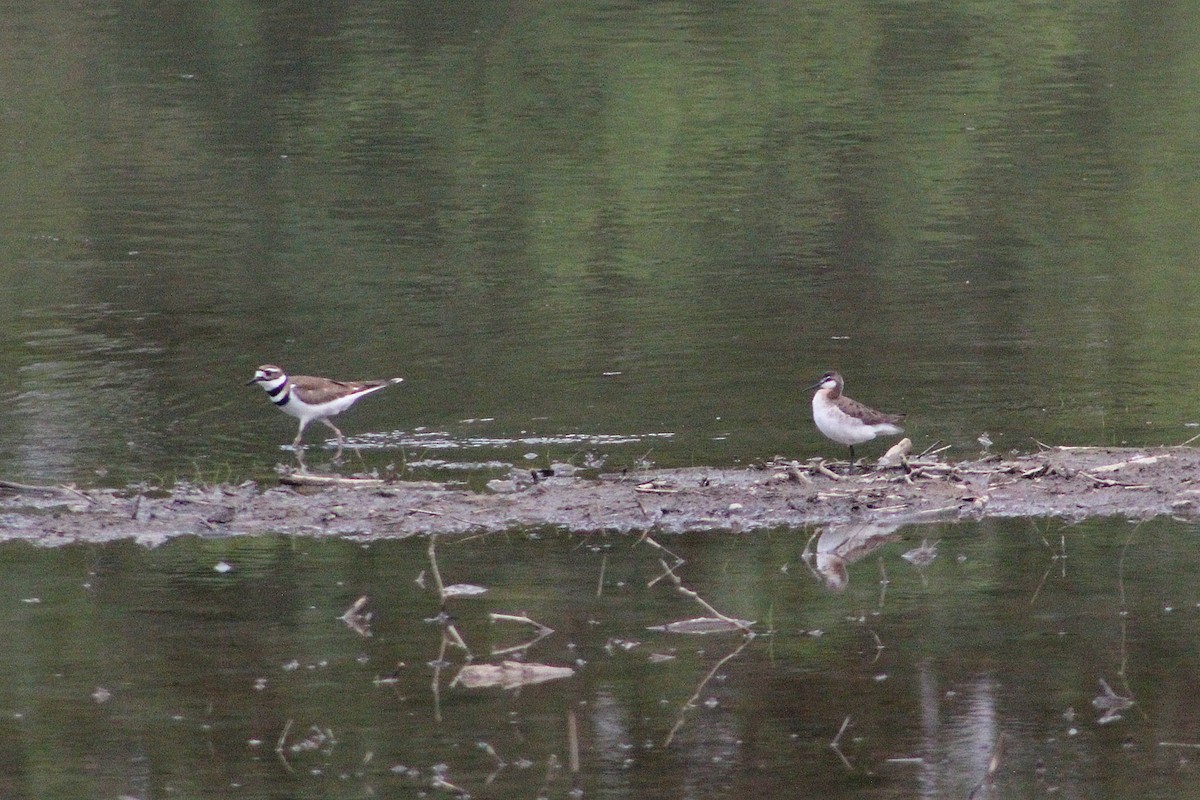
point(314, 479)
point(463, 590)
point(921, 556)
point(222, 567)
point(703, 625)
point(1110, 704)
point(356, 619)
point(508, 675)
point(897, 453)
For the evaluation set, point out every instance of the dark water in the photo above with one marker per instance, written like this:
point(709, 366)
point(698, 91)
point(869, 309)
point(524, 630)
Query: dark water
point(599, 232)
point(582, 220)
point(130, 672)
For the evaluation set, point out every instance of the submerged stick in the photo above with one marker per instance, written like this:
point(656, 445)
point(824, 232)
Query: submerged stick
point(542, 632)
point(572, 743)
point(835, 745)
point(690, 703)
point(437, 575)
point(279, 746)
point(679, 587)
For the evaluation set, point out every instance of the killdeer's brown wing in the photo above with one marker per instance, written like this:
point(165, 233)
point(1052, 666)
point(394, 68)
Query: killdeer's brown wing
point(314, 391)
point(868, 415)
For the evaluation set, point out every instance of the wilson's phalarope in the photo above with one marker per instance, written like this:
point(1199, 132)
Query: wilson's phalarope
point(847, 421)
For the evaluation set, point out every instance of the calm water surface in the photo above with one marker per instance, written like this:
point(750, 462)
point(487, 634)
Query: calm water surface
point(634, 229)
point(608, 232)
point(150, 673)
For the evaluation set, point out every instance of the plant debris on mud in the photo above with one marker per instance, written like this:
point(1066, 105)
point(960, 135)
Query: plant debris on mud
point(1064, 482)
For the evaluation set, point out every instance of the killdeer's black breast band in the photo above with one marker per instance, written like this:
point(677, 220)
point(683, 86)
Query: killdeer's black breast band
point(281, 387)
point(280, 401)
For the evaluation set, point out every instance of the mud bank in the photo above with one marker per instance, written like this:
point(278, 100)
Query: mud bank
point(1070, 483)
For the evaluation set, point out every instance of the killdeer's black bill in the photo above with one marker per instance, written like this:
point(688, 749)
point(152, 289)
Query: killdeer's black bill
point(848, 421)
point(310, 398)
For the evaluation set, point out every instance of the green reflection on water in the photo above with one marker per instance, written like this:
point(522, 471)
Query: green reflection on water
point(592, 218)
point(150, 673)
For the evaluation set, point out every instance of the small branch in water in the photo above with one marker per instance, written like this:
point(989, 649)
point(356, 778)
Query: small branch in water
point(678, 560)
point(494, 617)
point(679, 587)
point(573, 743)
point(879, 646)
point(835, 745)
point(600, 583)
point(279, 746)
point(437, 575)
point(690, 703)
point(542, 632)
point(357, 621)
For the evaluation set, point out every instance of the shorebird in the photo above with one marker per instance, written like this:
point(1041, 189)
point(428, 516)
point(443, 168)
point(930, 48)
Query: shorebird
point(847, 421)
point(309, 398)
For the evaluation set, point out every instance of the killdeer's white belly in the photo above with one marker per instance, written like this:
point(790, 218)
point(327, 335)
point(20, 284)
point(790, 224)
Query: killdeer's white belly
point(298, 408)
point(842, 427)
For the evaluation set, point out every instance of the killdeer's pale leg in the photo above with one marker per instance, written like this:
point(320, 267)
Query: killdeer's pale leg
point(341, 439)
point(310, 398)
point(848, 421)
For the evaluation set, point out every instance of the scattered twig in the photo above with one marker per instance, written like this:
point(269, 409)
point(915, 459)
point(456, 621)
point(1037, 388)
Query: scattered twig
point(542, 632)
point(651, 488)
point(928, 450)
point(879, 646)
point(13, 486)
point(306, 478)
point(1110, 482)
point(357, 621)
point(572, 743)
point(679, 561)
point(690, 703)
point(1133, 462)
point(440, 514)
point(835, 745)
point(742, 624)
point(437, 575)
point(500, 762)
point(521, 618)
point(826, 471)
point(279, 746)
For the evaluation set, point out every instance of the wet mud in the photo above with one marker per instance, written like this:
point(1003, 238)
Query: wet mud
point(1068, 483)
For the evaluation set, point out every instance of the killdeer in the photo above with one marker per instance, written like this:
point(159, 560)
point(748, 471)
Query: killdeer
point(309, 398)
point(847, 421)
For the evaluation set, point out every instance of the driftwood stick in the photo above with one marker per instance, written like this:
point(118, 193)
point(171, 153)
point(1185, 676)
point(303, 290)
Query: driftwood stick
point(740, 624)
